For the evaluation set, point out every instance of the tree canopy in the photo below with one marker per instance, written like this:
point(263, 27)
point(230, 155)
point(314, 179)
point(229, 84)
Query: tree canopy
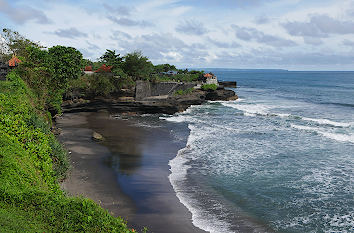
point(137, 66)
point(110, 58)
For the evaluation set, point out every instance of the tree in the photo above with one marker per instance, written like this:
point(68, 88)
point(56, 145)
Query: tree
point(110, 58)
point(48, 72)
point(137, 66)
point(164, 68)
point(12, 42)
point(66, 63)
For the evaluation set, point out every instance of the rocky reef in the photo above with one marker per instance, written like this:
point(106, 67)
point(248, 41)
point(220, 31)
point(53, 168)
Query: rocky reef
point(155, 104)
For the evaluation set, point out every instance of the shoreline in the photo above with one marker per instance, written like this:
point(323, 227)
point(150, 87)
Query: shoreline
point(127, 174)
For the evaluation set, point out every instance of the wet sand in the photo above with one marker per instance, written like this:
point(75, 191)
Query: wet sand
point(127, 174)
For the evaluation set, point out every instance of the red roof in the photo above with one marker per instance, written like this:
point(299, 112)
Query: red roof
point(14, 61)
point(208, 76)
point(88, 68)
point(104, 68)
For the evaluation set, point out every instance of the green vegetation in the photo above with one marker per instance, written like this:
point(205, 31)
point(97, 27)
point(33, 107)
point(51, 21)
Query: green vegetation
point(31, 162)
point(98, 85)
point(47, 73)
point(137, 66)
point(207, 87)
point(184, 92)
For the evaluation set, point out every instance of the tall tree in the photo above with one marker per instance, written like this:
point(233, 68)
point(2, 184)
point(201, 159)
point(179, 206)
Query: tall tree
point(66, 63)
point(137, 66)
point(110, 58)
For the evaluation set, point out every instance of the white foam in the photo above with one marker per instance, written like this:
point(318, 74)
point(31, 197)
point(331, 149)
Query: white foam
point(184, 116)
point(339, 137)
point(227, 101)
point(283, 115)
point(177, 118)
point(179, 170)
point(302, 127)
point(328, 122)
point(249, 109)
point(334, 136)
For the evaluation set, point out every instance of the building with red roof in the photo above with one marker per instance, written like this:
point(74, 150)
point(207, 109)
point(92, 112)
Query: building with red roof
point(88, 68)
point(208, 75)
point(104, 69)
point(14, 61)
point(210, 78)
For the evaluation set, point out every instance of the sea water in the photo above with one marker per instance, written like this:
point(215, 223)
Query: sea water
point(279, 159)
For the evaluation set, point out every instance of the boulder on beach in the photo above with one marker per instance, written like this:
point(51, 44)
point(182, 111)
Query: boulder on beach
point(97, 137)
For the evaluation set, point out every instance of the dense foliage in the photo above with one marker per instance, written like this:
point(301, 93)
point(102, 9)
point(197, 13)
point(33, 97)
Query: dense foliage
point(137, 66)
point(110, 58)
point(31, 162)
point(206, 87)
point(89, 86)
point(48, 72)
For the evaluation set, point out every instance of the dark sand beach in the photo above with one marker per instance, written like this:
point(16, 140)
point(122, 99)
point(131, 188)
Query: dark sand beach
point(127, 174)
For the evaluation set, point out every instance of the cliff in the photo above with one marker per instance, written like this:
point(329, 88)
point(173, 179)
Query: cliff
point(149, 105)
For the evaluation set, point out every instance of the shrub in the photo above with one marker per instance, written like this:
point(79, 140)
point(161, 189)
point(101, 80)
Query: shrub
point(207, 87)
point(101, 85)
point(184, 92)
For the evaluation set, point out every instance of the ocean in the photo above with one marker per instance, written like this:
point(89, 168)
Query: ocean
point(279, 159)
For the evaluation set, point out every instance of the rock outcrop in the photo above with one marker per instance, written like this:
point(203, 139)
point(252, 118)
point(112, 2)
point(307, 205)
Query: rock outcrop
point(167, 105)
point(97, 137)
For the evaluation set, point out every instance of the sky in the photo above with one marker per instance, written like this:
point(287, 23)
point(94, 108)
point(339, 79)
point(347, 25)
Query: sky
point(241, 34)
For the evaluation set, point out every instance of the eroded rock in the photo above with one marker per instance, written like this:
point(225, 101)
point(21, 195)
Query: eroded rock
point(97, 137)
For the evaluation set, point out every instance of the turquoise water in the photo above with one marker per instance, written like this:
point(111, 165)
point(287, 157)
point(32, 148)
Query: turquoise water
point(279, 159)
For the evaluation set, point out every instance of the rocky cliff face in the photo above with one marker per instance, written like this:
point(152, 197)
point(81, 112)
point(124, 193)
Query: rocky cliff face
point(168, 105)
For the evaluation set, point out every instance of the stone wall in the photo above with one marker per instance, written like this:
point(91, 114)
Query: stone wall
point(146, 89)
point(4, 68)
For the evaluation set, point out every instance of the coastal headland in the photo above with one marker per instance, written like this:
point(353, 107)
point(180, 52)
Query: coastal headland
point(142, 100)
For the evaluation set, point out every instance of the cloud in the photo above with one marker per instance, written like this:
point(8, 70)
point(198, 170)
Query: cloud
point(119, 35)
point(164, 47)
point(119, 10)
point(348, 43)
point(191, 27)
point(23, 14)
point(92, 46)
point(224, 3)
point(124, 21)
point(319, 26)
point(224, 45)
point(262, 20)
point(153, 44)
point(69, 33)
point(313, 40)
point(252, 34)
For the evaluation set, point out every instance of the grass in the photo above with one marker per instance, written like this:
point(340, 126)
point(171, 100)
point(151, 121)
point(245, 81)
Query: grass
point(31, 163)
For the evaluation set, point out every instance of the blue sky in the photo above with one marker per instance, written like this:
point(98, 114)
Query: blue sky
point(287, 34)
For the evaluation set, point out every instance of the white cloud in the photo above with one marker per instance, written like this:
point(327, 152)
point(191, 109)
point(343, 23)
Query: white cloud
point(22, 13)
point(197, 33)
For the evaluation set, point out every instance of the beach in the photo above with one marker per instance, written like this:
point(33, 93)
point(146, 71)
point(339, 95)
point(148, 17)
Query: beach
point(127, 173)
